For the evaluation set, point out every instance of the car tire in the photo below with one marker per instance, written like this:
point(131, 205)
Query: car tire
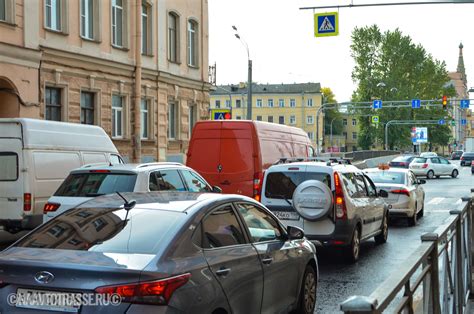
point(454, 174)
point(430, 174)
point(412, 220)
point(422, 210)
point(381, 238)
point(353, 250)
point(307, 297)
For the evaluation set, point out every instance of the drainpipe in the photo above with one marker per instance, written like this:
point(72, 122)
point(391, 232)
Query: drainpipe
point(137, 144)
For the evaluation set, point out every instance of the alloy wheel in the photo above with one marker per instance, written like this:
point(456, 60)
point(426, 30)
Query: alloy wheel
point(309, 292)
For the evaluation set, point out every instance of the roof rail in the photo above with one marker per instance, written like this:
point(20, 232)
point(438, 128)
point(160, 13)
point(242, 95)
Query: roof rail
point(149, 164)
point(328, 160)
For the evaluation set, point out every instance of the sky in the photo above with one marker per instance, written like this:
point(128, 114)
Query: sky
point(283, 48)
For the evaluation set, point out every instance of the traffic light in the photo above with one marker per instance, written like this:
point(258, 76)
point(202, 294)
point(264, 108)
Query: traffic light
point(445, 102)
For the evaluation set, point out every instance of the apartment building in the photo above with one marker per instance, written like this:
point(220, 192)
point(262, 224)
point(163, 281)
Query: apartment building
point(139, 69)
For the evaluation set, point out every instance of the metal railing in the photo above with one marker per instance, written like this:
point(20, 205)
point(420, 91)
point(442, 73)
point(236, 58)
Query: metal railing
point(436, 278)
point(367, 154)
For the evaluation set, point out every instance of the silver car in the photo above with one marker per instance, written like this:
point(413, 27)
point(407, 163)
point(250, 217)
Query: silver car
point(165, 252)
point(433, 167)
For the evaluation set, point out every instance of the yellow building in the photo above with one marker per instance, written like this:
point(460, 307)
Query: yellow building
point(290, 104)
point(347, 141)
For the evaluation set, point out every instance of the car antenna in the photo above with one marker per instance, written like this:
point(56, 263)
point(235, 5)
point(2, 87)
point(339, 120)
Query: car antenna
point(127, 206)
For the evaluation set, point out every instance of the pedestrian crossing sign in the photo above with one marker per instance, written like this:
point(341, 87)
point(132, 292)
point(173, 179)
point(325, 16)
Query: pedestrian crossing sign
point(326, 24)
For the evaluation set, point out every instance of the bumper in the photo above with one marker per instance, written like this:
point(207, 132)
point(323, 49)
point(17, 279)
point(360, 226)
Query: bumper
point(466, 162)
point(342, 234)
point(419, 172)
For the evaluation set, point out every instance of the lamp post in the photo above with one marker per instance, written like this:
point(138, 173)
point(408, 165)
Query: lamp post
point(330, 125)
point(249, 84)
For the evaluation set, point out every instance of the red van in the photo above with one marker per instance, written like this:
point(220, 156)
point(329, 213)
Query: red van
point(234, 154)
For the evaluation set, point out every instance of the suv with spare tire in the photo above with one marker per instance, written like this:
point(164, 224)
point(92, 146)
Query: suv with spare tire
point(334, 203)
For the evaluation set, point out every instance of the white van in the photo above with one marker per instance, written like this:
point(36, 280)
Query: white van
point(36, 156)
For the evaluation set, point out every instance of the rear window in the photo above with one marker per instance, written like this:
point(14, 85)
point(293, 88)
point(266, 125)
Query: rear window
point(387, 177)
point(282, 184)
point(468, 155)
point(419, 160)
point(402, 158)
point(104, 230)
point(95, 184)
point(8, 166)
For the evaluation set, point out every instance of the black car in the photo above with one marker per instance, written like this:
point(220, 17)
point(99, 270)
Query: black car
point(456, 154)
point(467, 158)
point(402, 161)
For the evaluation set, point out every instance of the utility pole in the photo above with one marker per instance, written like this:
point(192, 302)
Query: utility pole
point(249, 82)
point(137, 141)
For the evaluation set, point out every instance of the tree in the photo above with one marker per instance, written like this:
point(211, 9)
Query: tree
point(389, 66)
point(330, 114)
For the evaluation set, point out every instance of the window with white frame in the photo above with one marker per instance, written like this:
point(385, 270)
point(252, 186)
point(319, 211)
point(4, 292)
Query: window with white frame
point(145, 119)
point(3, 9)
point(354, 122)
point(117, 116)
point(218, 104)
point(259, 103)
point(192, 43)
point(293, 119)
point(146, 29)
point(87, 19)
point(281, 119)
point(292, 103)
point(281, 103)
point(310, 102)
point(344, 121)
point(172, 121)
point(270, 103)
point(309, 120)
point(192, 117)
point(354, 135)
point(52, 14)
point(7, 11)
point(173, 37)
point(227, 103)
point(119, 23)
point(311, 135)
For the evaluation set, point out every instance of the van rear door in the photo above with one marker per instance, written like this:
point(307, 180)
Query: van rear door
point(11, 179)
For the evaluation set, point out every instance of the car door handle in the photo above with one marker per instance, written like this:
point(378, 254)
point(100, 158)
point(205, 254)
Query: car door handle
point(267, 260)
point(12, 199)
point(223, 271)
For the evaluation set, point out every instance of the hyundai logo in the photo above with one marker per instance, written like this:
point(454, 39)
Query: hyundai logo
point(44, 277)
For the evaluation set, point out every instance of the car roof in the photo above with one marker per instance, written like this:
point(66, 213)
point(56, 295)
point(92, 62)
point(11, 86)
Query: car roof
point(144, 167)
point(332, 167)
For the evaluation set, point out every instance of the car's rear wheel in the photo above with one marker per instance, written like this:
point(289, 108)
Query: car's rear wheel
point(412, 220)
point(307, 298)
point(422, 210)
point(430, 174)
point(383, 235)
point(455, 173)
point(353, 250)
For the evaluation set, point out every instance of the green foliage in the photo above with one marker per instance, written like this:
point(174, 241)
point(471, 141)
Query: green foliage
point(331, 114)
point(389, 66)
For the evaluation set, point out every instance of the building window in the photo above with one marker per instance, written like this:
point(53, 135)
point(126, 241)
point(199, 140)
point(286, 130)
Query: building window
point(7, 11)
point(146, 29)
point(3, 10)
point(344, 121)
point(87, 19)
point(281, 119)
point(52, 14)
point(292, 103)
point(238, 103)
point(310, 102)
point(173, 40)
point(311, 135)
point(270, 103)
point(292, 119)
point(119, 23)
point(309, 120)
point(238, 118)
point(354, 135)
point(344, 134)
point(270, 118)
point(259, 118)
point(354, 122)
point(172, 121)
point(192, 43)
point(145, 119)
point(87, 107)
point(192, 118)
point(117, 116)
point(52, 103)
point(227, 103)
point(218, 104)
point(259, 103)
point(281, 103)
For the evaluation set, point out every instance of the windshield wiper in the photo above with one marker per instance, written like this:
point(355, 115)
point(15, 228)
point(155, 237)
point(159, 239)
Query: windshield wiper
point(280, 196)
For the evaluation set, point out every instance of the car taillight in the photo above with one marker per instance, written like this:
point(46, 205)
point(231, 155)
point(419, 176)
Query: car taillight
point(99, 171)
point(462, 158)
point(401, 191)
point(340, 205)
point(50, 207)
point(27, 202)
point(257, 185)
point(150, 292)
point(424, 166)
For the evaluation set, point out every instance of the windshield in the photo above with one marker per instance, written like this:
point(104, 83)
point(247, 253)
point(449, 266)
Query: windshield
point(387, 177)
point(95, 184)
point(419, 160)
point(103, 230)
point(282, 184)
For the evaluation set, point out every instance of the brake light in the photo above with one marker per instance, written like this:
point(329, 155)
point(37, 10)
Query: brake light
point(462, 158)
point(151, 292)
point(401, 191)
point(340, 206)
point(27, 202)
point(99, 171)
point(50, 207)
point(257, 185)
point(424, 166)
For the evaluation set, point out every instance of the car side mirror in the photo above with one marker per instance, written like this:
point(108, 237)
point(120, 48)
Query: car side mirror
point(216, 189)
point(421, 181)
point(294, 233)
point(383, 193)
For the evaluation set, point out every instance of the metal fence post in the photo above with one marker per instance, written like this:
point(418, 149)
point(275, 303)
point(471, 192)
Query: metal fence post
point(458, 272)
point(435, 307)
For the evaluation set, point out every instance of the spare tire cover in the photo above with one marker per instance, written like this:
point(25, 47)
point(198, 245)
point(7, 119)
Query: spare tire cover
point(312, 199)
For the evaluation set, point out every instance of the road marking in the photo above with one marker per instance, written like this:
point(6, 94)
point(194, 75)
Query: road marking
point(436, 201)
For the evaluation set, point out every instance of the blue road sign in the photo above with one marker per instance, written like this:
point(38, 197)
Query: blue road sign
point(463, 121)
point(441, 121)
point(465, 103)
point(377, 104)
point(326, 24)
point(415, 103)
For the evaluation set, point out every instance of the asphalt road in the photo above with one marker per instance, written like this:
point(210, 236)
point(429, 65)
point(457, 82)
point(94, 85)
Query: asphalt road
point(340, 280)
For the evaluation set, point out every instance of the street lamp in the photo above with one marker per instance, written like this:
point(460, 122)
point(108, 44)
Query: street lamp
point(249, 87)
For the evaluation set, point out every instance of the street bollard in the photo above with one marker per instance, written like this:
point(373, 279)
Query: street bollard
point(359, 305)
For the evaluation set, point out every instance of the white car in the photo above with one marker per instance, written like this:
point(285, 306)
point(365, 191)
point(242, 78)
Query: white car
point(335, 204)
point(431, 167)
point(405, 193)
point(88, 182)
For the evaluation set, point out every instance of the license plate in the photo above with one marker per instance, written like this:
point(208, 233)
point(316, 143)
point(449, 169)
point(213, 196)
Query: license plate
point(287, 215)
point(46, 300)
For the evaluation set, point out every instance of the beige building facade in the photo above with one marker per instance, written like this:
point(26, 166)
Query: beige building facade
point(139, 69)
